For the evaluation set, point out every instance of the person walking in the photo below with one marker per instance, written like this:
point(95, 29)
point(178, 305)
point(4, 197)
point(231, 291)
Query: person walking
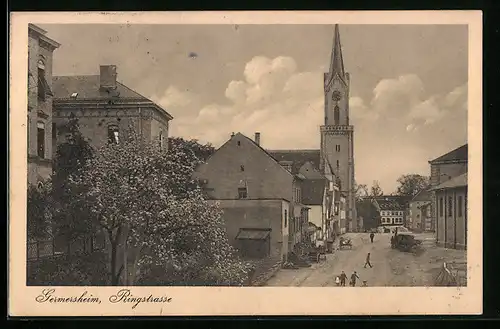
point(354, 276)
point(343, 277)
point(372, 235)
point(367, 262)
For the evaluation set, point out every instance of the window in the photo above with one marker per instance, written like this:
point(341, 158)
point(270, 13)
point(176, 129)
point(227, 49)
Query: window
point(160, 139)
point(239, 143)
point(242, 193)
point(286, 218)
point(337, 148)
point(41, 139)
point(441, 207)
point(459, 206)
point(54, 131)
point(113, 135)
point(337, 163)
point(242, 168)
point(450, 206)
point(43, 86)
point(336, 115)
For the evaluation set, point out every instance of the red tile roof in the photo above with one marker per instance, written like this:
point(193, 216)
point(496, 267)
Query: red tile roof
point(391, 202)
point(297, 157)
point(88, 87)
point(457, 181)
point(458, 154)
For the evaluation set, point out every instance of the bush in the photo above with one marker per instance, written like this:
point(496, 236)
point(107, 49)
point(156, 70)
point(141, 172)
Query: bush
point(81, 270)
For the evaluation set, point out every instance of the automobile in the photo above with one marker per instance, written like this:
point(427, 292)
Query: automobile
point(406, 242)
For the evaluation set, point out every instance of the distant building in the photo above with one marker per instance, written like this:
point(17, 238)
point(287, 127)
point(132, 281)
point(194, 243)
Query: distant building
point(419, 214)
point(39, 125)
point(444, 168)
point(392, 210)
point(451, 201)
point(256, 193)
point(106, 109)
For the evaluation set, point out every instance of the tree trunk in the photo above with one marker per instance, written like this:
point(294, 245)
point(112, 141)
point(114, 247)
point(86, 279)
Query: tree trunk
point(114, 278)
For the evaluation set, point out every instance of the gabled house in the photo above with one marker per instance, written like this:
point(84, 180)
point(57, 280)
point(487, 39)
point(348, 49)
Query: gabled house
point(392, 210)
point(318, 189)
point(256, 193)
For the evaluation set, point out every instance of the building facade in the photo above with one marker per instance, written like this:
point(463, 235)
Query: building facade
point(444, 168)
point(106, 109)
point(255, 192)
point(392, 210)
point(451, 201)
point(39, 122)
point(418, 212)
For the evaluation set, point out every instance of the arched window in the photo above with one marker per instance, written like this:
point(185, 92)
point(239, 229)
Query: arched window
point(113, 134)
point(40, 137)
point(39, 185)
point(336, 115)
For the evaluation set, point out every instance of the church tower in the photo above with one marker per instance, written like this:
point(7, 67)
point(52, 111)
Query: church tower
point(337, 144)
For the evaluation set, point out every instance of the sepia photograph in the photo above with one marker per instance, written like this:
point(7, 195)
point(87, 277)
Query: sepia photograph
point(320, 155)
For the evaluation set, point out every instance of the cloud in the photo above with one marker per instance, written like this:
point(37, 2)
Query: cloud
point(173, 97)
point(270, 94)
point(397, 128)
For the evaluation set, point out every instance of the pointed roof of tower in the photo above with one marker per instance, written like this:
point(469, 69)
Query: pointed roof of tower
point(337, 62)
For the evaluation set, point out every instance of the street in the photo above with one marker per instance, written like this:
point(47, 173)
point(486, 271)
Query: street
point(390, 267)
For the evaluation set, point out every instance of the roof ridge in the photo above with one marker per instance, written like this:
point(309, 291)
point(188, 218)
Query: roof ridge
point(294, 150)
point(266, 152)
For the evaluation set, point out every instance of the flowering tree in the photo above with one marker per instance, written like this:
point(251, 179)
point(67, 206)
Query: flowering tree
point(153, 214)
point(201, 151)
point(70, 219)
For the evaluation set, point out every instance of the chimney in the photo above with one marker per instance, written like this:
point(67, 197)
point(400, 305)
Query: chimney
point(257, 138)
point(107, 77)
point(232, 134)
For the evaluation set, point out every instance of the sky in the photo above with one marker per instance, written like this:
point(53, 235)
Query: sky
point(408, 95)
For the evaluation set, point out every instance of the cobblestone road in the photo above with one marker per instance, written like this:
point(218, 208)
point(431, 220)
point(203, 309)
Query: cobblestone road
point(390, 267)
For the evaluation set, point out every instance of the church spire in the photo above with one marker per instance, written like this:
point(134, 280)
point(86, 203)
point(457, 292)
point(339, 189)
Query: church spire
point(337, 62)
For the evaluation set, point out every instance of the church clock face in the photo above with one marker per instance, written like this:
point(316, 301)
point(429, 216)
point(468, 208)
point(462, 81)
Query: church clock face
point(336, 96)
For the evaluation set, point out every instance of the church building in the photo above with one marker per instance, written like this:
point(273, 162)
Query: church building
point(335, 158)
